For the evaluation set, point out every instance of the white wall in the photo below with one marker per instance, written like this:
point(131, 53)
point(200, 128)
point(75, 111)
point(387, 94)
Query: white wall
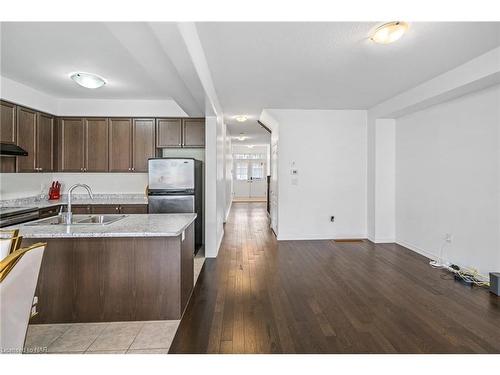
point(448, 178)
point(381, 180)
point(215, 183)
point(329, 150)
point(21, 94)
point(115, 107)
point(228, 173)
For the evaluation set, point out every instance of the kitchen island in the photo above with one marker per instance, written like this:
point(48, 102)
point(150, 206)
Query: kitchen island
point(139, 267)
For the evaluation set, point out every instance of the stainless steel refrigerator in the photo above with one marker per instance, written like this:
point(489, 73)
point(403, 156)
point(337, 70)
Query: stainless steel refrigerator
point(176, 186)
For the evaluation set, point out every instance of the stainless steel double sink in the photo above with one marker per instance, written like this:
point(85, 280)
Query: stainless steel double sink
point(78, 220)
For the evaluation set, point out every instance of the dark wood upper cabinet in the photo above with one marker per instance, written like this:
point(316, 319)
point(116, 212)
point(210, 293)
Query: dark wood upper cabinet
point(7, 122)
point(194, 132)
point(120, 145)
point(7, 134)
point(71, 145)
point(96, 145)
point(143, 146)
point(44, 143)
point(168, 132)
point(77, 144)
point(26, 139)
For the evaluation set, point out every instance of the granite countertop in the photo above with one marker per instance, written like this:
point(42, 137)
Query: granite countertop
point(112, 199)
point(142, 225)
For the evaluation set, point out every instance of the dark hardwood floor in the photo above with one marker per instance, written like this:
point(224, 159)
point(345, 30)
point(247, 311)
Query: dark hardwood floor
point(265, 296)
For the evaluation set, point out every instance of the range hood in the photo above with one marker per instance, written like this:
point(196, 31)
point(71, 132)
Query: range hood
point(9, 149)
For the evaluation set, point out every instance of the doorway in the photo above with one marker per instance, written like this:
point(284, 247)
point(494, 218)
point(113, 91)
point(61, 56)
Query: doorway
point(250, 171)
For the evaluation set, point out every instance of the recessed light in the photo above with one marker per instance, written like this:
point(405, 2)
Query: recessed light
point(241, 118)
point(250, 146)
point(241, 137)
point(389, 32)
point(88, 80)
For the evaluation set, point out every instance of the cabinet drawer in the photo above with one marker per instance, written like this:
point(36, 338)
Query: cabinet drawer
point(134, 209)
point(48, 212)
point(80, 209)
point(102, 209)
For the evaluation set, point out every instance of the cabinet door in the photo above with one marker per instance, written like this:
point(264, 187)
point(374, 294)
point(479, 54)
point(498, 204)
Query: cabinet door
point(143, 144)
point(45, 143)
point(120, 145)
point(194, 132)
point(102, 209)
point(7, 122)
point(26, 139)
point(7, 134)
point(168, 132)
point(71, 147)
point(134, 209)
point(96, 145)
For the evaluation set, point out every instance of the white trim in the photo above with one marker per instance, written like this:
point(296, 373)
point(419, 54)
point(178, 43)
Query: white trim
point(228, 211)
point(382, 240)
point(321, 237)
point(254, 199)
point(417, 249)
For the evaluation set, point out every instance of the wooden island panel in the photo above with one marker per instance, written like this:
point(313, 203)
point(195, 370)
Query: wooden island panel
point(114, 279)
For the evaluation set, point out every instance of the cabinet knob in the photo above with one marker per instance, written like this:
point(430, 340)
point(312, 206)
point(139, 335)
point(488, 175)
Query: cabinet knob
point(133, 168)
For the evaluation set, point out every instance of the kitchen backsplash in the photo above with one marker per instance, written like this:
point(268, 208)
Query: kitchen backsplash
point(21, 185)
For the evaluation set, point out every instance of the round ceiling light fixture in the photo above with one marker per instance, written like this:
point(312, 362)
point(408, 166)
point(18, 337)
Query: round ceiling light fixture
point(389, 32)
point(88, 80)
point(241, 118)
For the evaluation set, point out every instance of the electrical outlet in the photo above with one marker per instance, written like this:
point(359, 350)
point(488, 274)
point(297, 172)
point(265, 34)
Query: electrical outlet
point(332, 218)
point(448, 237)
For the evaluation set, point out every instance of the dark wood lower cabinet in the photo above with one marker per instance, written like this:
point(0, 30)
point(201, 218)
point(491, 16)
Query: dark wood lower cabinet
point(114, 279)
point(107, 209)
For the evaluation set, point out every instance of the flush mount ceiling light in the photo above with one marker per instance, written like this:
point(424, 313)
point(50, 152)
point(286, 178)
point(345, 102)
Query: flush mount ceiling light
point(389, 32)
point(241, 118)
point(241, 137)
point(88, 80)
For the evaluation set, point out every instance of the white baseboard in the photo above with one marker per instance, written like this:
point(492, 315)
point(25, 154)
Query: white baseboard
point(382, 240)
point(243, 200)
point(320, 237)
point(227, 212)
point(417, 249)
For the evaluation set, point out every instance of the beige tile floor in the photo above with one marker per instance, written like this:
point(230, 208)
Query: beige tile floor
point(150, 337)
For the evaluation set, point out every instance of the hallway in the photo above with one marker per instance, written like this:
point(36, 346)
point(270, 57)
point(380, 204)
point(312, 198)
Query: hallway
point(265, 296)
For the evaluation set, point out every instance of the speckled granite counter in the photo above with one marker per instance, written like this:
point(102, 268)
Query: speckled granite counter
point(110, 199)
point(149, 225)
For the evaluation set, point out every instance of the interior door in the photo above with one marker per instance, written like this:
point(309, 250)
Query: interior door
point(241, 181)
point(258, 188)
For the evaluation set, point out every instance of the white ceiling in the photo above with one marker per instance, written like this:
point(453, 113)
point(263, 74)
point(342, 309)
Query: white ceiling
point(254, 133)
point(330, 65)
point(134, 58)
point(253, 65)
